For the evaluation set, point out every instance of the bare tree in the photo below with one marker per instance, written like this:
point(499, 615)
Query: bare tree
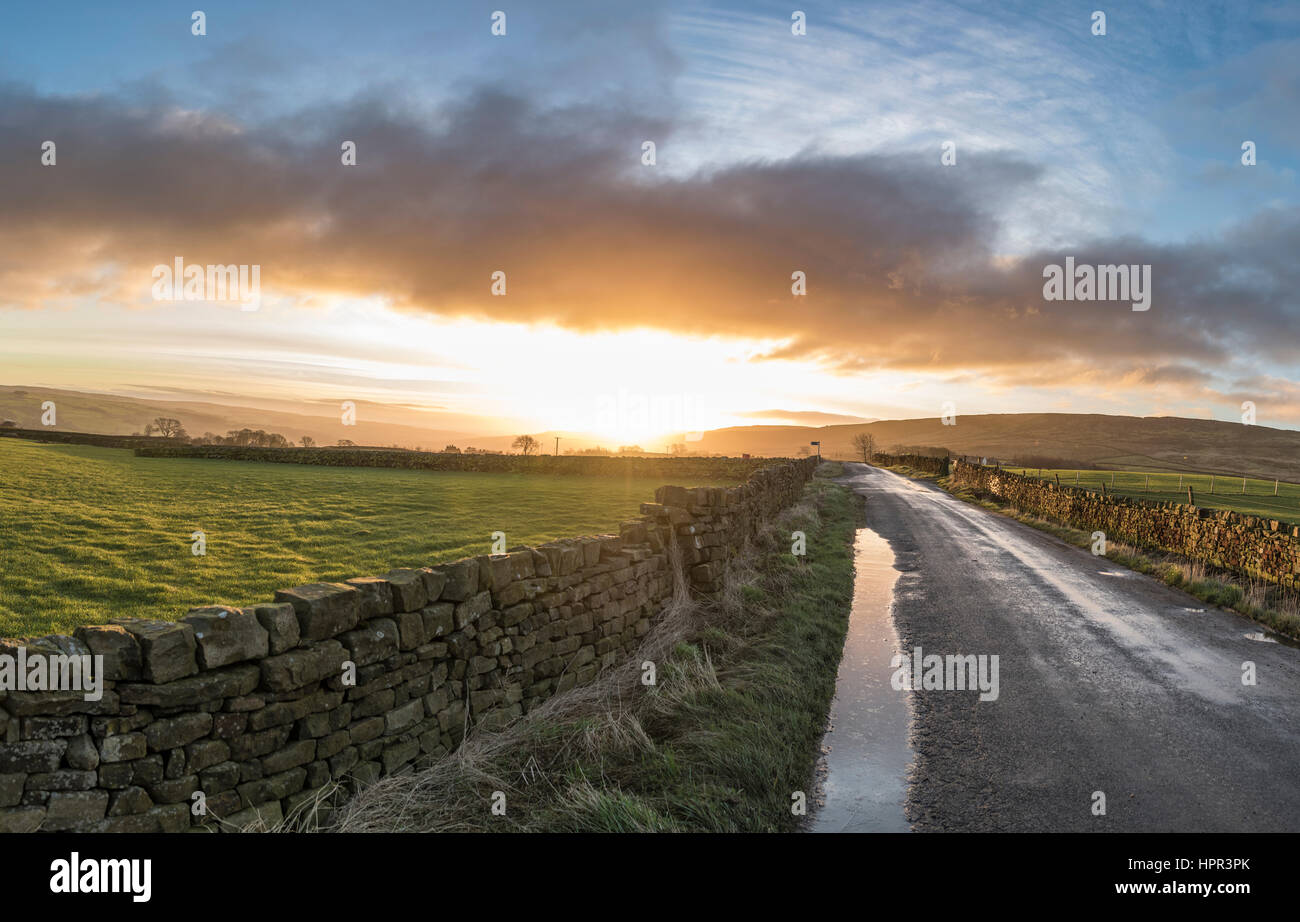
point(526, 444)
point(308, 442)
point(167, 427)
point(865, 443)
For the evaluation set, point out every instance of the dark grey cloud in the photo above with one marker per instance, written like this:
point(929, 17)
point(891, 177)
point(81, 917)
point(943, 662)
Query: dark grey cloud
point(899, 251)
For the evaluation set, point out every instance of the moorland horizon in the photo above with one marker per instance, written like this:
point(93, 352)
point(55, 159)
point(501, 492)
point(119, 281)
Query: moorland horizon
point(436, 422)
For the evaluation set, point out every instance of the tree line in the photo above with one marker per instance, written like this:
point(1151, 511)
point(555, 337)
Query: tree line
point(169, 427)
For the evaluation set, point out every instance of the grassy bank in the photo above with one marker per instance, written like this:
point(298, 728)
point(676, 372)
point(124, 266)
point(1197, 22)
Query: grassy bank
point(1256, 599)
point(908, 471)
point(719, 743)
point(90, 533)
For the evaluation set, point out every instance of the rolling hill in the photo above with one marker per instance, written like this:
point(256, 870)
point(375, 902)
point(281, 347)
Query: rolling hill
point(376, 424)
point(1157, 443)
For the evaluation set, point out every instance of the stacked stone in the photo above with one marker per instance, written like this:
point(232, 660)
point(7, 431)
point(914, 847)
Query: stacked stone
point(259, 710)
point(1263, 548)
point(926, 464)
point(712, 524)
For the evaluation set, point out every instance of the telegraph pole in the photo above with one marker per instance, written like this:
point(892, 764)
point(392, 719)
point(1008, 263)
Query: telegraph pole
point(557, 446)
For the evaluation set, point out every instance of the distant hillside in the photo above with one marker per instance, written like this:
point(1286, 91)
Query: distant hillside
point(376, 424)
point(1122, 442)
point(112, 415)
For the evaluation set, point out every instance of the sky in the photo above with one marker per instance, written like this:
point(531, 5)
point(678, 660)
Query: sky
point(667, 283)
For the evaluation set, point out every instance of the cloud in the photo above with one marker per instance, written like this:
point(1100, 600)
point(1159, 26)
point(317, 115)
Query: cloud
point(804, 417)
point(897, 249)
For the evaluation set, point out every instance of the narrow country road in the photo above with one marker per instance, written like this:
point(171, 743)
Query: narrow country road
point(1109, 681)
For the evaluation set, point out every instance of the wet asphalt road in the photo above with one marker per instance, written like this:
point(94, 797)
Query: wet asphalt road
point(1108, 681)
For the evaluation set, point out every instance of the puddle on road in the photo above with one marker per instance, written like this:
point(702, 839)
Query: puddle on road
point(1264, 635)
point(867, 751)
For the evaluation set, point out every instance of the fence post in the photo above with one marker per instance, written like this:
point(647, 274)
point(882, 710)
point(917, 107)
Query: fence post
point(1211, 484)
point(1275, 488)
point(1191, 501)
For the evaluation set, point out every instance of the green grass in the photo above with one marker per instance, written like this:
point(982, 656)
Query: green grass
point(831, 469)
point(87, 534)
point(730, 730)
point(1258, 498)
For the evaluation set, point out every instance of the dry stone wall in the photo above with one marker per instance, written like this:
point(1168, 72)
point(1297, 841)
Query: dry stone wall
point(1262, 548)
point(255, 712)
point(712, 467)
point(926, 464)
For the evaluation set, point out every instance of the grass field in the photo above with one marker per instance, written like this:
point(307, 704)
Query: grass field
point(1257, 498)
point(87, 534)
